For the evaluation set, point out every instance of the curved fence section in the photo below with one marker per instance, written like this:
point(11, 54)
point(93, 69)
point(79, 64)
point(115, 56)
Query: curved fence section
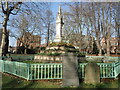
point(32, 71)
point(54, 70)
point(1, 66)
point(15, 68)
point(117, 68)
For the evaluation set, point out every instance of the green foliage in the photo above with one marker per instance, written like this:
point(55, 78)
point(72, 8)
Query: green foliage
point(80, 54)
point(113, 84)
point(22, 57)
point(9, 81)
point(62, 44)
point(68, 50)
point(41, 53)
point(42, 48)
point(20, 50)
point(72, 50)
point(30, 62)
point(53, 49)
point(32, 50)
point(77, 50)
point(53, 44)
point(50, 54)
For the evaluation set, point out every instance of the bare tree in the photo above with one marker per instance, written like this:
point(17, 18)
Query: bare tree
point(36, 10)
point(96, 19)
point(7, 10)
point(23, 32)
point(48, 23)
point(116, 7)
point(102, 20)
point(74, 24)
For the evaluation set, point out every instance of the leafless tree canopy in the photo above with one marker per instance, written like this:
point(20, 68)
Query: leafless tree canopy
point(31, 17)
point(84, 23)
point(98, 20)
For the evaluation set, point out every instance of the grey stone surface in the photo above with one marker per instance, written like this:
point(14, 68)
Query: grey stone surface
point(70, 70)
point(92, 73)
point(41, 58)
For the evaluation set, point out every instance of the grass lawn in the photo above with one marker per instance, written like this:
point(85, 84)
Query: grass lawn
point(9, 81)
point(113, 84)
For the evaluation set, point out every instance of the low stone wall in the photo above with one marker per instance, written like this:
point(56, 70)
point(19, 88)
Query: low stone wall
point(41, 58)
point(55, 48)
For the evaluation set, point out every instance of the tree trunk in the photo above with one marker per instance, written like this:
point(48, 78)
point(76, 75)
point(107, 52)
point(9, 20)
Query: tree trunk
point(108, 45)
point(100, 52)
point(108, 48)
point(80, 43)
point(4, 36)
point(99, 47)
point(48, 34)
point(25, 51)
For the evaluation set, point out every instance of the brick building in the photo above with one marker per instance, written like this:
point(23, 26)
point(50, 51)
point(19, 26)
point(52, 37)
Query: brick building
point(113, 45)
point(29, 39)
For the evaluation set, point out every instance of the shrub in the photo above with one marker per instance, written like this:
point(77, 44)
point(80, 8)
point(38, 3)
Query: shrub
point(41, 53)
point(53, 44)
point(62, 44)
point(42, 48)
point(81, 54)
point(95, 48)
point(20, 50)
point(76, 50)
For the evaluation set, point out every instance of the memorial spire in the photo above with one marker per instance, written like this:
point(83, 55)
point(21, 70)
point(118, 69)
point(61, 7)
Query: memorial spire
point(59, 26)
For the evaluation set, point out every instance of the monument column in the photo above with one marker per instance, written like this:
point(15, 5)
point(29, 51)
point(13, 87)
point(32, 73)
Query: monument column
point(59, 25)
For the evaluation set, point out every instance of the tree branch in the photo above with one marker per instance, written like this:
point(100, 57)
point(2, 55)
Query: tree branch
point(15, 6)
point(2, 7)
point(16, 11)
